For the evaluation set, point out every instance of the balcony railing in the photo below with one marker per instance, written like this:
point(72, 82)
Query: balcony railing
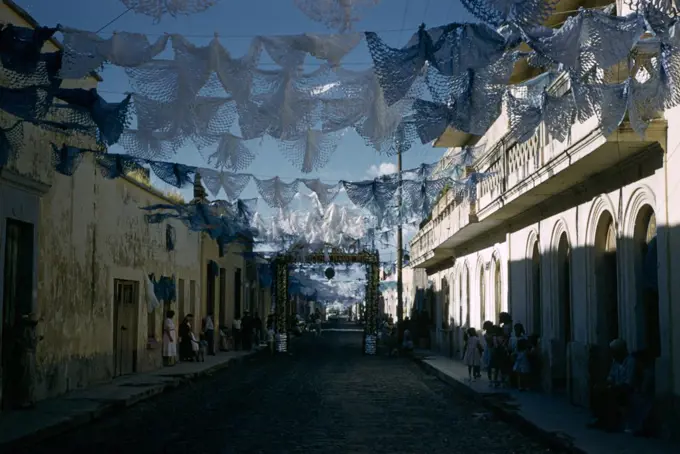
point(509, 165)
point(450, 215)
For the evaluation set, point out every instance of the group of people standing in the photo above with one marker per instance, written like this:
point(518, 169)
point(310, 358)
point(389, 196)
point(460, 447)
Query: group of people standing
point(505, 351)
point(185, 338)
point(247, 331)
point(184, 341)
point(623, 400)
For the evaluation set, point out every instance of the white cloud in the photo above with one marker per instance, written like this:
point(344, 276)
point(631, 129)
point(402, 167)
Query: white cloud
point(385, 168)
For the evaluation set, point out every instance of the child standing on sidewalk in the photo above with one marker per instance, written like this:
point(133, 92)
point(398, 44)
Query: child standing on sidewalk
point(522, 366)
point(473, 354)
point(488, 347)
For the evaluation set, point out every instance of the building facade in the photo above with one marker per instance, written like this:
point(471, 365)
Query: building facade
point(389, 300)
point(25, 181)
point(575, 239)
point(96, 251)
point(76, 259)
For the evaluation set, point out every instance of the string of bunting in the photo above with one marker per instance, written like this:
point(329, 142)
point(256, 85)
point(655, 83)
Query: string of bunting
point(453, 76)
point(450, 76)
point(336, 14)
point(419, 186)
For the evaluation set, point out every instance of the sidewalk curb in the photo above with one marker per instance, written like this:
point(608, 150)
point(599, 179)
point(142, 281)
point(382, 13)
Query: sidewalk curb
point(551, 439)
point(105, 408)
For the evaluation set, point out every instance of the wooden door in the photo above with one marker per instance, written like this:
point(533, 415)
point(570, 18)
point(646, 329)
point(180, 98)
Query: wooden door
point(125, 327)
point(237, 293)
point(223, 297)
point(17, 301)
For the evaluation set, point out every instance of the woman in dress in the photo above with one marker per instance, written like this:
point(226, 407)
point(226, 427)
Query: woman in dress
point(473, 354)
point(522, 366)
point(186, 350)
point(169, 345)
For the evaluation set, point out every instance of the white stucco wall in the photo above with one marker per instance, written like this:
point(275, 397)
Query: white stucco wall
point(669, 266)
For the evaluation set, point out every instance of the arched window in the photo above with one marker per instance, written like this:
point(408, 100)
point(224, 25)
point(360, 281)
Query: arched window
point(606, 274)
point(445, 304)
point(647, 287)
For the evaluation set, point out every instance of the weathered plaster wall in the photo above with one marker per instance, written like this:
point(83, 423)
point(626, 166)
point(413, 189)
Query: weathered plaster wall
point(669, 261)
point(233, 258)
point(92, 232)
point(28, 176)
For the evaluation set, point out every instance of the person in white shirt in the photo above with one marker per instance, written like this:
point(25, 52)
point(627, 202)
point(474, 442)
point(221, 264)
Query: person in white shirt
point(169, 340)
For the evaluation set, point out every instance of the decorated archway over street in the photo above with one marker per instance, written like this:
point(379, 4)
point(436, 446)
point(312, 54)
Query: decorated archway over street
point(282, 263)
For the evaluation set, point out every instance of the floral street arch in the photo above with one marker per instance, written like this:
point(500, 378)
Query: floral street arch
point(281, 264)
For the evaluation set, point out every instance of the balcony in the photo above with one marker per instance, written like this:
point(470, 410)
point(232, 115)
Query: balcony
point(449, 214)
point(522, 176)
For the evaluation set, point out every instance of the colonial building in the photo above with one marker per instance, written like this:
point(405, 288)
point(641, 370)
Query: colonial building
point(232, 278)
point(24, 183)
point(390, 300)
point(573, 238)
point(76, 253)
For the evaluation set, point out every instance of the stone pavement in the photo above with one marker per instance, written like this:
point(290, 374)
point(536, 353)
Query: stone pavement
point(552, 416)
point(55, 416)
point(327, 397)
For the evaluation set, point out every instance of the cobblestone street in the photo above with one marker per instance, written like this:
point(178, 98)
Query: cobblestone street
point(327, 398)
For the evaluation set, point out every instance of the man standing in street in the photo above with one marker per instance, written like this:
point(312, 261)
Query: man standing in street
point(209, 332)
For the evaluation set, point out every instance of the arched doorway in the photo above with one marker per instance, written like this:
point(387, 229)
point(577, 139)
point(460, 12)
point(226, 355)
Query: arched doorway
point(498, 290)
point(445, 303)
point(463, 306)
point(607, 307)
point(646, 282)
point(482, 296)
point(604, 300)
point(564, 311)
point(447, 336)
point(536, 311)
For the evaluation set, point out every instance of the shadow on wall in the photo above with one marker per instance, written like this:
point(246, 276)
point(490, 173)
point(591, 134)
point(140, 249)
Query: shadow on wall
point(578, 299)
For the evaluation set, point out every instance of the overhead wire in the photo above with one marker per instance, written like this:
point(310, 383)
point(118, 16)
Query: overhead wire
point(114, 19)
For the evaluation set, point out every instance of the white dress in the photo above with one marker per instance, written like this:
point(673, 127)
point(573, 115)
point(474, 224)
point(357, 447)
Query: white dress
point(473, 356)
point(169, 345)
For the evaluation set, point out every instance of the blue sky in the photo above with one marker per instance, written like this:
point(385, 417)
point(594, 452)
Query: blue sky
point(236, 22)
